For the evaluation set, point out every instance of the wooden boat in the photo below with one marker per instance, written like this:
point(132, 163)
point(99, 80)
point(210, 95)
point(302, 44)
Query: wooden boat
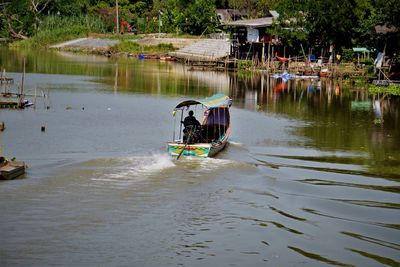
point(214, 130)
point(11, 169)
point(167, 58)
point(281, 59)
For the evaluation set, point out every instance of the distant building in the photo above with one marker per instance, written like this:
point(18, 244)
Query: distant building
point(388, 47)
point(249, 36)
point(228, 15)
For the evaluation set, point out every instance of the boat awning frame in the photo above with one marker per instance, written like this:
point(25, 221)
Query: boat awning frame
point(215, 101)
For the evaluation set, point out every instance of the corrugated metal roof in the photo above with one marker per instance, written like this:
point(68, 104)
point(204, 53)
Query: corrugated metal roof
point(385, 29)
point(255, 23)
point(274, 14)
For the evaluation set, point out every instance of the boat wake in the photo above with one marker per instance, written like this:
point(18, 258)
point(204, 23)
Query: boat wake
point(122, 172)
point(201, 166)
point(127, 170)
point(234, 143)
point(153, 163)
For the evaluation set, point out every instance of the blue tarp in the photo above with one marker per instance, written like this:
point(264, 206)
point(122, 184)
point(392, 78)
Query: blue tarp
point(286, 76)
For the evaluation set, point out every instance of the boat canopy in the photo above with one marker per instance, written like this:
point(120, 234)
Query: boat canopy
point(215, 101)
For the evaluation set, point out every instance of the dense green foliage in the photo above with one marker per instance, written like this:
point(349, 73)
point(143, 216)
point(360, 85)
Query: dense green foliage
point(24, 18)
point(312, 23)
point(393, 89)
point(338, 23)
point(55, 29)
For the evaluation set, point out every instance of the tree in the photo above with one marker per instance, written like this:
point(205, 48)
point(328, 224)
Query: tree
point(253, 8)
point(331, 22)
point(18, 19)
point(194, 16)
point(200, 22)
point(388, 12)
point(342, 23)
point(69, 8)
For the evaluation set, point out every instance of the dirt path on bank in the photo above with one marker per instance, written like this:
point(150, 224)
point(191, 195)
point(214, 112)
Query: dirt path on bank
point(95, 43)
point(87, 43)
point(176, 42)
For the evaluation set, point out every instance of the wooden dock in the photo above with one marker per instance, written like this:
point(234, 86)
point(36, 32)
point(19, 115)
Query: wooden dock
point(9, 99)
point(6, 80)
point(10, 102)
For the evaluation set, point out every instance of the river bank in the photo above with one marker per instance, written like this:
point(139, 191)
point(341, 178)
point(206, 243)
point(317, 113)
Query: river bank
point(125, 45)
point(161, 46)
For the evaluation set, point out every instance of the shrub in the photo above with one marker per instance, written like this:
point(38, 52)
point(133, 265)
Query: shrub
point(55, 29)
point(347, 55)
point(393, 89)
point(244, 64)
point(132, 47)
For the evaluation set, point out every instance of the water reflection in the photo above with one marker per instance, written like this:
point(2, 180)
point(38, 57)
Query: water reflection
point(124, 74)
point(336, 116)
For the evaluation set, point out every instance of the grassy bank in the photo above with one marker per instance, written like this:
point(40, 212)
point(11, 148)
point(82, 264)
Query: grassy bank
point(56, 29)
point(128, 46)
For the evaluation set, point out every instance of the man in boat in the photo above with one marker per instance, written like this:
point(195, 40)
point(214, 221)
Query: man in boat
point(192, 131)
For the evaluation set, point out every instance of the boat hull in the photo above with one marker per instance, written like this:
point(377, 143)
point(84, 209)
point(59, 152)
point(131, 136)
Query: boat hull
point(200, 150)
point(11, 170)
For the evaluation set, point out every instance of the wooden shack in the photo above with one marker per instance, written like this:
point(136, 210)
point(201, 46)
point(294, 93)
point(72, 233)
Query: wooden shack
point(250, 39)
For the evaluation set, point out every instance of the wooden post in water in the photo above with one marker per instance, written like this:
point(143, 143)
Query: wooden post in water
point(35, 99)
point(269, 55)
point(44, 100)
point(22, 87)
point(116, 79)
point(23, 80)
point(19, 95)
point(263, 54)
point(1, 143)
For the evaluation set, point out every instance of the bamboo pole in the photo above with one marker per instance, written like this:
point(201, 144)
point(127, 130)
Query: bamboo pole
point(1, 143)
point(263, 54)
point(23, 81)
point(269, 55)
point(34, 106)
point(21, 97)
point(272, 54)
point(19, 93)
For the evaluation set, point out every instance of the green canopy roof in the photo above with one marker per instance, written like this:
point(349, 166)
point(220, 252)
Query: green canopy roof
point(215, 101)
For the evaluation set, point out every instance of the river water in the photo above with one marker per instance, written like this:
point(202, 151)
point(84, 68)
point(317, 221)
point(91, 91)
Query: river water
point(310, 177)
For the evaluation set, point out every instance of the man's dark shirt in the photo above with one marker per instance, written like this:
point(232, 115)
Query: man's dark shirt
point(191, 120)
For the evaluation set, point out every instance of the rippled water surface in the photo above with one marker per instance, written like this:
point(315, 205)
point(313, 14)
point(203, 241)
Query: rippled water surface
point(310, 176)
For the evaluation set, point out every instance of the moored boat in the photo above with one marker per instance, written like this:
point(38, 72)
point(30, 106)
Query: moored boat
point(211, 136)
point(11, 169)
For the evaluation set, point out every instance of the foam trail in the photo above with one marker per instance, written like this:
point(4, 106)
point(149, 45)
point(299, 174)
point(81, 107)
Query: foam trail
point(235, 143)
point(156, 162)
point(127, 170)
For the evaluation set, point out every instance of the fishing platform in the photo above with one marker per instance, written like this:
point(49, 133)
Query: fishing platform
point(9, 99)
point(6, 80)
